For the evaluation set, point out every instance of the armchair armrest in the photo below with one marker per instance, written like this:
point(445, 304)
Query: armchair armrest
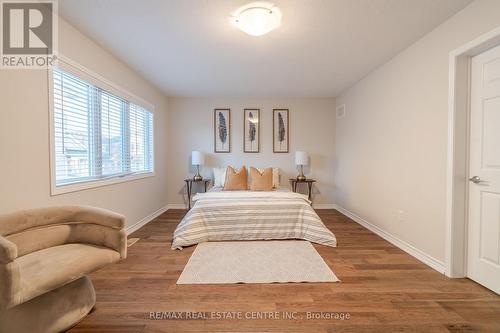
point(8, 250)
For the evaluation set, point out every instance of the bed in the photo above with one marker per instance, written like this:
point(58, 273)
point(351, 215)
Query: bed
point(251, 215)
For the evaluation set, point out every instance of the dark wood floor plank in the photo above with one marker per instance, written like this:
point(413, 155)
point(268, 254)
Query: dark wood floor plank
point(382, 288)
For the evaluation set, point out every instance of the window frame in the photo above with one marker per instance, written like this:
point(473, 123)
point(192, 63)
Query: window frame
point(93, 78)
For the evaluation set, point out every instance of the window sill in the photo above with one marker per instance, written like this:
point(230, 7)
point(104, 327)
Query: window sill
point(75, 187)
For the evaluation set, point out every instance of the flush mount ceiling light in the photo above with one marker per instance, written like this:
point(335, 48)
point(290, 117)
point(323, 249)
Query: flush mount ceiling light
point(257, 19)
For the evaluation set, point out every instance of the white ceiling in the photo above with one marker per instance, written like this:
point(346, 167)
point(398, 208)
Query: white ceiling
point(190, 48)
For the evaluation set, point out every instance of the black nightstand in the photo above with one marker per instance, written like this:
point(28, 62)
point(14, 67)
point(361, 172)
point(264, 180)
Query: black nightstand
point(295, 181)
point(189, 186)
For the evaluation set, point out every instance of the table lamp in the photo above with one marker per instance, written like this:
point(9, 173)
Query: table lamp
point(301, 158)
point(197, 158)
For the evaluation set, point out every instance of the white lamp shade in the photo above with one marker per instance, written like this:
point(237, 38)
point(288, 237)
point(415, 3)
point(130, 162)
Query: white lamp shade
point(301, 158)
point(197, 158)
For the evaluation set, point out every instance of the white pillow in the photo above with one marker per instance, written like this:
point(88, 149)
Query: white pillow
point(276, 176)
point(219, 177)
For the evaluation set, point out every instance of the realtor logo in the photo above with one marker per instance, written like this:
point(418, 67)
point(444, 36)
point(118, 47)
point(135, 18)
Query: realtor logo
point(28, 34)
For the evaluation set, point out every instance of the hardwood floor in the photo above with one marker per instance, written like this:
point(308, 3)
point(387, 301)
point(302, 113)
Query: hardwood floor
point(383, 289)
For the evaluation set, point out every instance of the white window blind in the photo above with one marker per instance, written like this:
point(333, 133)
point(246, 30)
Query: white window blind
point(98, 135)
point(141, 154)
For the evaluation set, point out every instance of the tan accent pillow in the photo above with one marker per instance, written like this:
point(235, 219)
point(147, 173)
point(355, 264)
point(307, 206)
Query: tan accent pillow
point(276, 176)
point(261, 181)
point(235, 181)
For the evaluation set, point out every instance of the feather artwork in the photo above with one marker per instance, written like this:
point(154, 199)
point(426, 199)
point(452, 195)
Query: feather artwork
point(222, 129)
point(251, 128)
point(281, 129)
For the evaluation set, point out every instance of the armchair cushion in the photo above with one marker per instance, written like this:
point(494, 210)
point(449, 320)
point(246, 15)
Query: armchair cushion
point(50, 268)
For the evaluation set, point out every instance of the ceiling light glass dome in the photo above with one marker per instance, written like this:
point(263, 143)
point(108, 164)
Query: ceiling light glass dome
point(258, 19)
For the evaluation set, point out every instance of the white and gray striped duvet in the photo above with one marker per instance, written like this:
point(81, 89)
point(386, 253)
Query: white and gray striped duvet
point(246, 215)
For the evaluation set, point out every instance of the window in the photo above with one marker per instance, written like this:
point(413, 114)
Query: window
point(97, 135)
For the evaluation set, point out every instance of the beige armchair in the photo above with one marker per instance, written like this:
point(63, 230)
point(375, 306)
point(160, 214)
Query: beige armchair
point(45, 255)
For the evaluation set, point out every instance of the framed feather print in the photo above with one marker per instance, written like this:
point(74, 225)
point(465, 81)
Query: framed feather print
point(251, 130)
point(281, 134)
point(222, 130)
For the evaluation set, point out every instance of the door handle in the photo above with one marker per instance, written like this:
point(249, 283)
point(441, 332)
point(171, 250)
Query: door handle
point(475, 179)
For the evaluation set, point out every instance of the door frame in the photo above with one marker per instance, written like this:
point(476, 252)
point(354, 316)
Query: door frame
point(458, 151)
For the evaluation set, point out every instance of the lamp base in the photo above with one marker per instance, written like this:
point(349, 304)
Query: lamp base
point(301, 176)
point(197, 178)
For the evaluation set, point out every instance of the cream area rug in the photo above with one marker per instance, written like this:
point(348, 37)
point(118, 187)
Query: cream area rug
point(255, 262)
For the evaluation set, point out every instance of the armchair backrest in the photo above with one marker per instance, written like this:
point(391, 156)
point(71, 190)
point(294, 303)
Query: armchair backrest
point(36, 229)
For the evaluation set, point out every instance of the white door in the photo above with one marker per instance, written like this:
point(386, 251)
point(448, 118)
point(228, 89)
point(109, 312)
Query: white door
point(483, 245)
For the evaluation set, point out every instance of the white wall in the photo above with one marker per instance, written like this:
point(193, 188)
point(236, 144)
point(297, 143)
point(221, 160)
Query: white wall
point(391, 147)
point(312, 128)
point(24, 136)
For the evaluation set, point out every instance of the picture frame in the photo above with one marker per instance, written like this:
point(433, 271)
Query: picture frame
point(222, 130)
point(251, 130)
point(281, 131)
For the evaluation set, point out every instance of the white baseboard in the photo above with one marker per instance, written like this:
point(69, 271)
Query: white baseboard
point(324, 206)
point(410, 249)
point(146, 220)
point(177, 206)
